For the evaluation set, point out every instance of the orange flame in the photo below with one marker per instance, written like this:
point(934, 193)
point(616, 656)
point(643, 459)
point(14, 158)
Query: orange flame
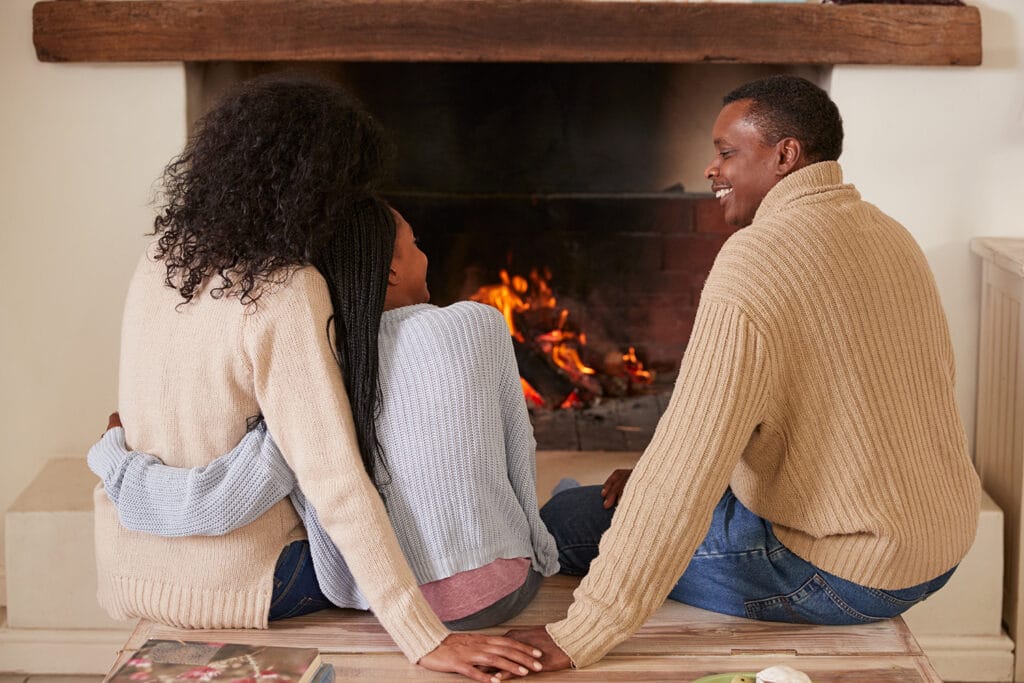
point(573, 400)
point(515, 295)
point(635, 369)
point(507, 298)
point(533, 397)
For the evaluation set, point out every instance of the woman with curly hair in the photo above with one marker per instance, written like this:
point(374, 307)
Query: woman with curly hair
point(270, 232)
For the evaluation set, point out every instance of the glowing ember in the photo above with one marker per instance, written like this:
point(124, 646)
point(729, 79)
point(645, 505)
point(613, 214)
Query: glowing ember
point(635, 369)
point(507, 298)
point(529, 308)
point(561, 346)
point(533, 397)
point(573, 400)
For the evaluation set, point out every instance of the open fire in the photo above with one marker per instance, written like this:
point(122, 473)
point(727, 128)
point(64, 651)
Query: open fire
point(550, 348)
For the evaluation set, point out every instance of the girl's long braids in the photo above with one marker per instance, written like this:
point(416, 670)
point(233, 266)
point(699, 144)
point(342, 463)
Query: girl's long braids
point(355, 264)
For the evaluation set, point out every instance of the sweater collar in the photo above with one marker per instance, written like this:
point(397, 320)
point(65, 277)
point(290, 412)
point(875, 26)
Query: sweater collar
point(397, 315)
point(814, 179)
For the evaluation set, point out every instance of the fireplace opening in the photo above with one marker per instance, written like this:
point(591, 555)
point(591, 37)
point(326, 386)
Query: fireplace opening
point(615, 278)
point(572, 196)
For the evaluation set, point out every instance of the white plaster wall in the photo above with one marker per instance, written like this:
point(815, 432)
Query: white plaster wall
point(942, 150)
point(80, 147)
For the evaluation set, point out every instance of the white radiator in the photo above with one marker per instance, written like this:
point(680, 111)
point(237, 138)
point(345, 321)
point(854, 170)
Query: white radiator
point(999, 445)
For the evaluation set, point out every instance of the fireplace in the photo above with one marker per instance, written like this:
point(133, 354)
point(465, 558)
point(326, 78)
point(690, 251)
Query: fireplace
point(588, 176)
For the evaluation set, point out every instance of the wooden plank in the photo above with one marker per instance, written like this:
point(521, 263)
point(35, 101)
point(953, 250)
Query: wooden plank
point(678, 643)
point(668, 669)
point(503, 31)
point(675, 629)
point(613, 669)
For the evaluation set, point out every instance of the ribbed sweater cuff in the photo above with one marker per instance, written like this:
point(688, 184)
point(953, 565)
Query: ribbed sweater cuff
point(415, 628)
point(184, 606)
point(585, 636)
point(107, 460)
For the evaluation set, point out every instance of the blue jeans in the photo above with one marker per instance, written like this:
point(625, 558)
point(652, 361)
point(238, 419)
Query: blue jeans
point(741, 568)
point(296, 591)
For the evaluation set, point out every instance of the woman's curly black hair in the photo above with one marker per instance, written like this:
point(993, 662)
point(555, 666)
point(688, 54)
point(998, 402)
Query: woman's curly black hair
point(285, 172)
point(264, 181)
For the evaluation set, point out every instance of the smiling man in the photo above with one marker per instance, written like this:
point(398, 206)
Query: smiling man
point(811, 465)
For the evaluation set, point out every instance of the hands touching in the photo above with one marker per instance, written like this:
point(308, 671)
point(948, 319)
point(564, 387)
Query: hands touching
point(462, 653)
point(554, 657)
point(612, 489)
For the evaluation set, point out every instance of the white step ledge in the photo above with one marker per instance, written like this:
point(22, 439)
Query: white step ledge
point(58, 651)
point(970, 659)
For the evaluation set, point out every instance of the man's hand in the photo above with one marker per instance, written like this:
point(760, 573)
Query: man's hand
point(612, 489)
point(462, 653)
point(554, 658)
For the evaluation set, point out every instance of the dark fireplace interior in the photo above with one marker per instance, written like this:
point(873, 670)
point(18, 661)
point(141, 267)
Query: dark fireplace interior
point(590, 177)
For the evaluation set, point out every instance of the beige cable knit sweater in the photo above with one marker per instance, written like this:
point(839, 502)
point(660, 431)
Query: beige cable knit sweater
point(190, 377)
point(818, 383)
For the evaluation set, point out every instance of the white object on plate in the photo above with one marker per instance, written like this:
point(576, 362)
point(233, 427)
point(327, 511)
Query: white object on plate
point(782, 674)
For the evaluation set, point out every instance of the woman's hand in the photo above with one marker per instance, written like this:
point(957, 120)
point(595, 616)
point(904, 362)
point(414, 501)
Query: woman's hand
point(612, 489)
point(555, 658)
point(113, 421)
point(462, 653)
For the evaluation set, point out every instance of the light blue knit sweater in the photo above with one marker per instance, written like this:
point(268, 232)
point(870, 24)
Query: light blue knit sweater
point(457, 442)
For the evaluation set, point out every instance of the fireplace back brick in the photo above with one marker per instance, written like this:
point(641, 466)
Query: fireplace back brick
point(629, 268)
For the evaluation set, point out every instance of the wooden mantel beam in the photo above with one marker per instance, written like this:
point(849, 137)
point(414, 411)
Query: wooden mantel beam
point(503, 31)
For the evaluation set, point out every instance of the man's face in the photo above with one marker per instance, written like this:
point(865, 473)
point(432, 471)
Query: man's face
point(744, 167)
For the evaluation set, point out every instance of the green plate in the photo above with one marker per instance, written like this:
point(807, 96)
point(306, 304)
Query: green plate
point(721, 678)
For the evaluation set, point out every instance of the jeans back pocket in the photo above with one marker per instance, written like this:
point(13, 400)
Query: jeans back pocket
point(815, 602)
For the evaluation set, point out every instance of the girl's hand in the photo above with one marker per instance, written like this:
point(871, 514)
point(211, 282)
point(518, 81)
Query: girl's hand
point(612, 489)
point(462, 653)
point(555, 658)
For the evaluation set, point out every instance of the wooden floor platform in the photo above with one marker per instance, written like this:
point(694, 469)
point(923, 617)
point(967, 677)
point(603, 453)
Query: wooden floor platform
point(679, 643)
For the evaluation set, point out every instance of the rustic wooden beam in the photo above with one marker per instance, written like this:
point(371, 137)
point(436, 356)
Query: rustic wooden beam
point(503, 31)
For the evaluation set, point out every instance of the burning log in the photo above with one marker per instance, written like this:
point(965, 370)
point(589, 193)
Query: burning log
point(551, 386)
point(548, 348)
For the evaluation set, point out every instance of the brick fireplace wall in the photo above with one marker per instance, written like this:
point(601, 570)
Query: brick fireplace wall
point(628, 268)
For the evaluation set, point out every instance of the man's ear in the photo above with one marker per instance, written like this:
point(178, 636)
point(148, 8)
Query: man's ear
point(790, 156)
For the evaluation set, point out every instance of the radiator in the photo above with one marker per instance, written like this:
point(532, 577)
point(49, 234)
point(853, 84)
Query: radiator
point(999, 445)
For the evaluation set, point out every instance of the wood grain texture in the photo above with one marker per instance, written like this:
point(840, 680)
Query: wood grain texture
point(678, 643)
point(503, 31)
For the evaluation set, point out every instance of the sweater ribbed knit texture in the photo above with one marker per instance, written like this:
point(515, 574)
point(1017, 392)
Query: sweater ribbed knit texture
point(458, 445)
point(819, 384)
point(228, 493)
point(190, 377)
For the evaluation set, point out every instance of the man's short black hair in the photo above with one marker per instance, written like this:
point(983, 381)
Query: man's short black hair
point(789, 106)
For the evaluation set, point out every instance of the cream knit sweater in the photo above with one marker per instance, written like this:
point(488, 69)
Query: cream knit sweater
point(818, 383)
point(190, 377)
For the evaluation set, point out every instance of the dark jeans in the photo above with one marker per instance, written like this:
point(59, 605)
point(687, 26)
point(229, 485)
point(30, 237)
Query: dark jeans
point(296, 591)
point(741, 568)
